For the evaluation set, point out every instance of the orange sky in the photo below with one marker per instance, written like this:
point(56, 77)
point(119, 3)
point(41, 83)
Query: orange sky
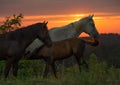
point(104, 23)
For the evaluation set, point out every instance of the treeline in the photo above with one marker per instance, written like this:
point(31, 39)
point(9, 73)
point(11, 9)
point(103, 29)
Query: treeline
point(108, 50)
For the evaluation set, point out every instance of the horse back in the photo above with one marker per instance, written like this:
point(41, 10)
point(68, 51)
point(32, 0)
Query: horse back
point(60, 49)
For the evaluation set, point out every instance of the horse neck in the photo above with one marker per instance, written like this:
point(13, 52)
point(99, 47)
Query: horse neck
point(61, 33)
point(79, 25)
point(29, 37)
point(73, 32)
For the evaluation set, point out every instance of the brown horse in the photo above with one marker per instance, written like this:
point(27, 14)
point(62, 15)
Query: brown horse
point(61, 50)
point(14, 43)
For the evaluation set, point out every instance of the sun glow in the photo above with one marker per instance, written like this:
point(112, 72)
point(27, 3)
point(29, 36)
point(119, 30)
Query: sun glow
point(78, 15)
point(54, 20)
point(104, 22)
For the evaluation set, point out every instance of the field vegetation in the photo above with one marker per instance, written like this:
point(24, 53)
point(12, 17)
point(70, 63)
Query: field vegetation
point(31, 71)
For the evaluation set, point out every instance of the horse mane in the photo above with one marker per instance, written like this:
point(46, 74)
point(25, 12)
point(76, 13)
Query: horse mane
point(16, 34)
point(72, 24)
point(81, 22)
point(27, 27)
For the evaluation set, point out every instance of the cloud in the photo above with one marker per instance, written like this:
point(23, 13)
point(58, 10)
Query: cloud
point(48, 7)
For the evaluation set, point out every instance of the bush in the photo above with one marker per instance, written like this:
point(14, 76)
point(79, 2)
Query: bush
point(11, 23)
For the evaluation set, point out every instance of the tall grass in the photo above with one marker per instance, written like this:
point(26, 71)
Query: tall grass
point(30, 73)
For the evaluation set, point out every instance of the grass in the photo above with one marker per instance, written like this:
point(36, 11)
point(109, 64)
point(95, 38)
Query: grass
point(99, 74)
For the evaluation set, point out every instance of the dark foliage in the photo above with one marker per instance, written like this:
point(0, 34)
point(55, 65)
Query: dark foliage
point(108, 49)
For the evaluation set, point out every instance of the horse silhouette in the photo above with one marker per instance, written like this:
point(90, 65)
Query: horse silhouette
point(14, 43)
point(61, 50)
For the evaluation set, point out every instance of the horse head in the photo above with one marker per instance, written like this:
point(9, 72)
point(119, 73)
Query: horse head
point(89, 27)
point(43, 34)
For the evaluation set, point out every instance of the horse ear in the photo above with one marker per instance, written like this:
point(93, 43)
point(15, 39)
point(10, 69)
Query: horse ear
point(45, 22)
point(92, 15)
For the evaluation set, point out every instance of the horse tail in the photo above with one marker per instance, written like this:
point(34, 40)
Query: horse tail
point(91, 42)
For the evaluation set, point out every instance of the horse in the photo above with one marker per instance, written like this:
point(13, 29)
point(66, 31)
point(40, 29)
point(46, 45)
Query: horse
point(70, 30)
point(61, 50)
point(14, 43)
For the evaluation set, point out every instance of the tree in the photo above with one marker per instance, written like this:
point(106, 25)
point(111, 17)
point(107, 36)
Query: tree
point(11, 23)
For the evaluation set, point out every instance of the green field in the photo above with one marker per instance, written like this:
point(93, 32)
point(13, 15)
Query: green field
point(30, 73)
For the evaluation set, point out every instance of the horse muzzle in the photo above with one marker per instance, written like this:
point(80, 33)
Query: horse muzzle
point(96, 41)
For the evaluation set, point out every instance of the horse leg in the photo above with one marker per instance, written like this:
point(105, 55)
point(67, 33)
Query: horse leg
point(15, 69)
point(7, 69)
point(85, 63)
point(79, 53)
point(78, 62)
point(47, 67)
point(54, 69)
point(81, 61)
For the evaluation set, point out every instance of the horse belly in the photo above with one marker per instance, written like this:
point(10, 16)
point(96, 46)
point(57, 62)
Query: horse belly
point(61, 52)
point(9, 49)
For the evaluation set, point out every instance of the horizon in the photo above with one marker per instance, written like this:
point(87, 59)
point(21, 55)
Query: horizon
point(101, 21)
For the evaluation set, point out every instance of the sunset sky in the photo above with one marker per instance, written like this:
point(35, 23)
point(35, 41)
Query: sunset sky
point(62, 12)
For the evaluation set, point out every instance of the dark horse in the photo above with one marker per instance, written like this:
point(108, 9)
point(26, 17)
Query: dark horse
point(61, 50)
point(14, 43)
